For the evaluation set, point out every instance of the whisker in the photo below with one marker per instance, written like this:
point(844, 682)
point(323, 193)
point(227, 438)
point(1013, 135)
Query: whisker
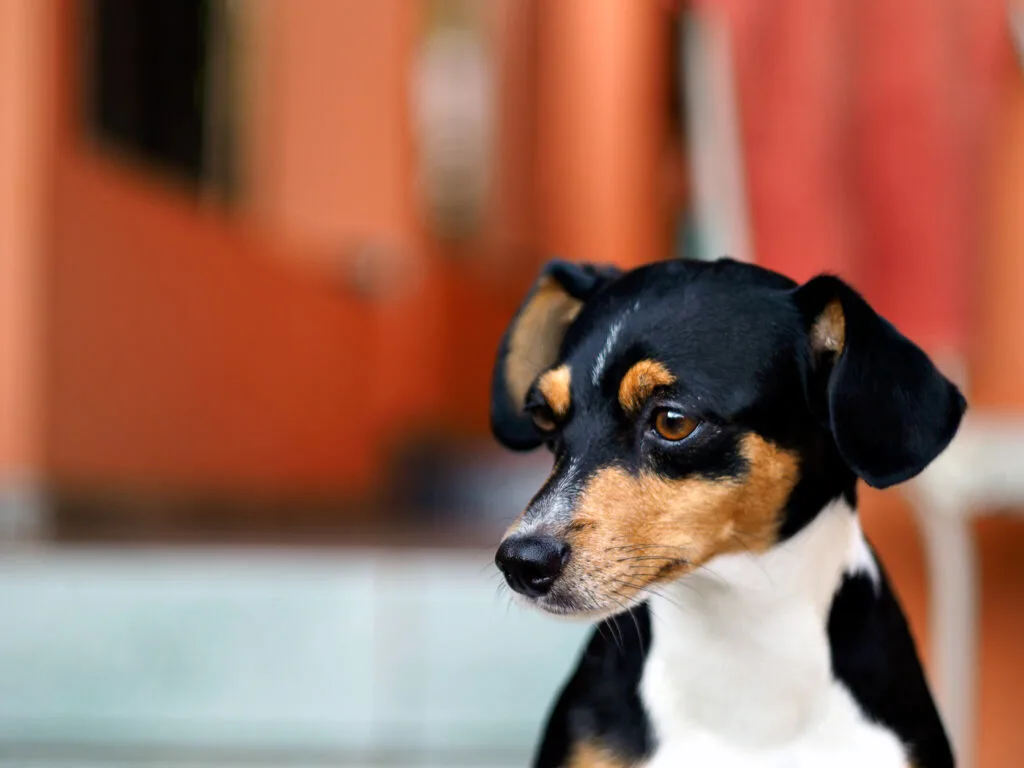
point(639, 561)
point(644, 546)
point(650, 589)
point(626, 609)
point(642, 568)
point(600, 631)
point(613, 628)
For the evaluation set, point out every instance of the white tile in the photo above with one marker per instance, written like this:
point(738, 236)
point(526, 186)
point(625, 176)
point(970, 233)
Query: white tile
point(193, 648)
point(346, 650)
point(488, 670)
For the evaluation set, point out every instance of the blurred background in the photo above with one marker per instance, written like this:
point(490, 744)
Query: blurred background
point(255, 258)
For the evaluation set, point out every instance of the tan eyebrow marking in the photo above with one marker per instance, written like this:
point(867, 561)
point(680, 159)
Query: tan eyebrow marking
point(554, 386)
point(640, 382)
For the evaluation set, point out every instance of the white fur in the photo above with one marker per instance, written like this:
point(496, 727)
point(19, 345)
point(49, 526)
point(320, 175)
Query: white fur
point(609, 344)
point(557, 504)
point(606, 350)
point(739, 673)
point(863, 561)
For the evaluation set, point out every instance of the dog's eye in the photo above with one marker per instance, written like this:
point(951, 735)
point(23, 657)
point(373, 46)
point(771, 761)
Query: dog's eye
point(673, 426)
point(542, 417)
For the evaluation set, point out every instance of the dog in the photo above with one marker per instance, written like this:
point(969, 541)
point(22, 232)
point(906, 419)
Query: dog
point(708, 423)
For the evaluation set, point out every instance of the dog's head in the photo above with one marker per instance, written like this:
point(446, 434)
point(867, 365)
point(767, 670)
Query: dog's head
point(697, 409)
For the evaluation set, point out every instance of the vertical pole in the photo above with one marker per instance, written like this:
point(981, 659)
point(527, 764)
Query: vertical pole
point(602, 121)
point(25, 60)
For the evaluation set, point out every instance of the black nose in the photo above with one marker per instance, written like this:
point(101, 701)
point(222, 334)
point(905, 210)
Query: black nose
point(531, 563)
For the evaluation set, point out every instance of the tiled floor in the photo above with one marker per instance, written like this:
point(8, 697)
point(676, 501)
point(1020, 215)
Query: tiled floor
point(482, 761)
point(338, 650)
point(260, 651)
point(101, 763)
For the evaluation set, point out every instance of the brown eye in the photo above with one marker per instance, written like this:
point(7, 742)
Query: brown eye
point(672, 425)
point(543, 418)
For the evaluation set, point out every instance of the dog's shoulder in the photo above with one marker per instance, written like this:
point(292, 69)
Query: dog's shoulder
point(874, 656)
point(599, 715)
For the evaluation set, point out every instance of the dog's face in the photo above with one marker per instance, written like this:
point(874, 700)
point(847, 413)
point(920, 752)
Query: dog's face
point(695, 410)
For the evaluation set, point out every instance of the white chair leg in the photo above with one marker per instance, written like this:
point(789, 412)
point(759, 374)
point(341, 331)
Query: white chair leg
point(953, 609)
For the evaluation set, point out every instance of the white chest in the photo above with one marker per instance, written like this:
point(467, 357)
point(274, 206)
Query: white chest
point(739, 672)
point(837, 735)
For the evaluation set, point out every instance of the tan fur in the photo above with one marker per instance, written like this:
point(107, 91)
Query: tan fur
point(534, 341)
point(828, 334)
point(640, 382)
point(590, 755)
point(630, 532)
point(554, 386)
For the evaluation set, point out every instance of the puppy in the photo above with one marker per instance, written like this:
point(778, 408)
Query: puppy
point(708, 424)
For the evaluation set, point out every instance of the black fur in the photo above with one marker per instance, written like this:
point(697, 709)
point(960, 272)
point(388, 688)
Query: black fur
point(739, 339)
point(508, 422)
point(889, 410)
point(873, 654)
point(601, 702)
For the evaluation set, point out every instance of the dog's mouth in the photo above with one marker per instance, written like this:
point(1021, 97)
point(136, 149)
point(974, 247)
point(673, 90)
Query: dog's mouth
point(594, 596)
point(570, 605)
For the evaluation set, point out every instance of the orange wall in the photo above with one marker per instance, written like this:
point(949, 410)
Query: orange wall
point(189, 350)
point(332, 157)
point(184, 353)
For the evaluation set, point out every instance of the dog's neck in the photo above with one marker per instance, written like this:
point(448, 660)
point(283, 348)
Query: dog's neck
point(740, 647)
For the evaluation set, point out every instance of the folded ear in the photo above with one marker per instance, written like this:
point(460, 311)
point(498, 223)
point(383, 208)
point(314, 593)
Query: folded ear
point(889, 409)
point(532, 342)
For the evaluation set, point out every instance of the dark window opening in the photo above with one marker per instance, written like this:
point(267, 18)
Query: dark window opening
point(148, 94)
point(160, 90)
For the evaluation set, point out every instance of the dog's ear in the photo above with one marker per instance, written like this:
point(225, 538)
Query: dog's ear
point(532, 342)
point(890, 410)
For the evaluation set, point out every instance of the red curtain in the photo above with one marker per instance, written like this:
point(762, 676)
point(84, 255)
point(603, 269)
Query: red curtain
point(864, 124)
